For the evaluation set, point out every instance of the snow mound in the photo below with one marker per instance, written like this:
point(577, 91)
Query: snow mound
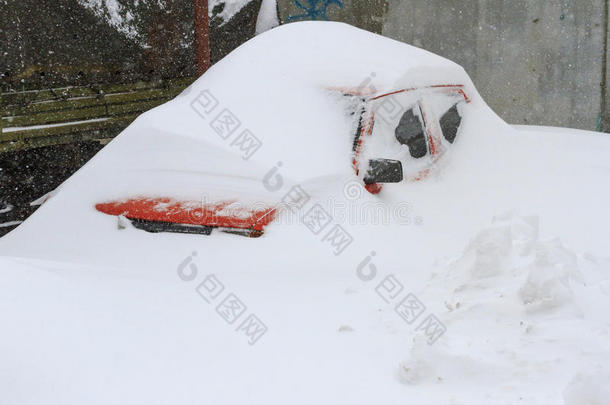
point(510, 258)
point(549, 275)
point(518, 308)
point(435, 364)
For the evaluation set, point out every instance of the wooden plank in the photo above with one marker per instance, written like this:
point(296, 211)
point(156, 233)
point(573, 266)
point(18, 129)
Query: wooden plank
point(120, 103)
point(50, 106)
point(100, 130)
point(67, 116)
point(178, 82)
point(55, 117)
point(31, 96)
point(100, 100)
point(136, 107)
point(141, 103)
point(64, 93)
point(10, 136)
point(143, 95)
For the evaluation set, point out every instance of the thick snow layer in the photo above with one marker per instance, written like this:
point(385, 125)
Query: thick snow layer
point(526, 322)
point(505, 244)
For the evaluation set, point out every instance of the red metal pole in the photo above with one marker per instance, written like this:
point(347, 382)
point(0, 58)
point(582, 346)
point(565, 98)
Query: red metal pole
point(202, 37)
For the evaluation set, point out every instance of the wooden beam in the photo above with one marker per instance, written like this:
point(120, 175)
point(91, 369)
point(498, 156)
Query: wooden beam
point(117, 104)
point(202, 37)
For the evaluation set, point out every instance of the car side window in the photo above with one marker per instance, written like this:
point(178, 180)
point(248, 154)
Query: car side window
point(450, 122)
point(410, 132)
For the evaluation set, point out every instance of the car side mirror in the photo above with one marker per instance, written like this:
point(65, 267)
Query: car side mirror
point(383, 171)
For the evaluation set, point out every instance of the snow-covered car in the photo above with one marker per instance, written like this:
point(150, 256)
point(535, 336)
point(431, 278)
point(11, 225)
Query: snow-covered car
point(478, 273)
point(387, 134)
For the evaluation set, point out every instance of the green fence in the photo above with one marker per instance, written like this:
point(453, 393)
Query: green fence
point(37, 118)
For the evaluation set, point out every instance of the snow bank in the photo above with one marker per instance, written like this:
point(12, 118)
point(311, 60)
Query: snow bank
point(521, 310)
point(146, 334)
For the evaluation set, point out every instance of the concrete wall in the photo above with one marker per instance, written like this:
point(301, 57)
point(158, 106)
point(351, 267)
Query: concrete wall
point(534, 61)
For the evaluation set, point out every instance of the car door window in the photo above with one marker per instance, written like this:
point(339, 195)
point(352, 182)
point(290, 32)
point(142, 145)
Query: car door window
point(450, 122)
point(410, 132)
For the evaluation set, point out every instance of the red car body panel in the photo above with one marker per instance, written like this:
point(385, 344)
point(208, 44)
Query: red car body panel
point(223, 214)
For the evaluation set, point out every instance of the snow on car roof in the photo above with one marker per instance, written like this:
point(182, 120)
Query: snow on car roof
point(275, 86)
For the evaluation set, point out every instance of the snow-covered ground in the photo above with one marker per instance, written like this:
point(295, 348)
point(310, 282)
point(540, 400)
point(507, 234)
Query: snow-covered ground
point(526, 322)
point(488, 282)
